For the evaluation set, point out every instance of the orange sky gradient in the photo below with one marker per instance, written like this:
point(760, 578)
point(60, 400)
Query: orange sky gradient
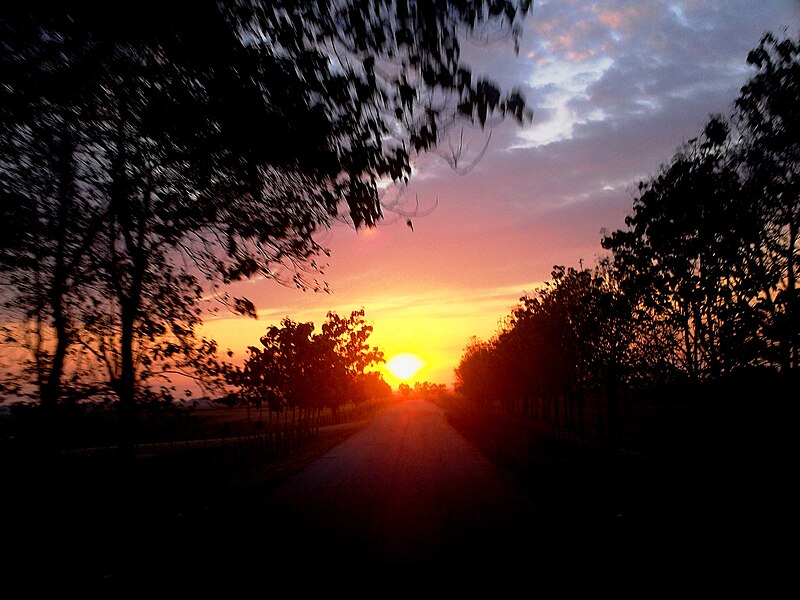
point(616, 87)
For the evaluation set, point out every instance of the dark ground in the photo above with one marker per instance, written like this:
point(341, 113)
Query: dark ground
point(716, 505)
point(720, 509)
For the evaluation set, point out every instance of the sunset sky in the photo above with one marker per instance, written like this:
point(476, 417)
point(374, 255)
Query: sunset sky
point(616, 87)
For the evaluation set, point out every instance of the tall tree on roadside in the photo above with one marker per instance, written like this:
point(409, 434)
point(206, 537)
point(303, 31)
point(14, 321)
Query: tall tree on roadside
point(49, 220)
point(474, 374)
point(214, 147)
point(567, 341)
point(689, 259)
point(768, 115)
point(346, 340)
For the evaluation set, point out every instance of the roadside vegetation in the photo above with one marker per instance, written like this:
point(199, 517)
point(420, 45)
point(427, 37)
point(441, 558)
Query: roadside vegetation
point(649, 399)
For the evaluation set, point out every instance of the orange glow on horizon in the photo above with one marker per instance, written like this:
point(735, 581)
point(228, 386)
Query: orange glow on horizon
point(404, 366)
point(434, 325)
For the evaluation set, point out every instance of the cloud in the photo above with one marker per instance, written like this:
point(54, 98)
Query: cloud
point(616, 88)
point(555, 86)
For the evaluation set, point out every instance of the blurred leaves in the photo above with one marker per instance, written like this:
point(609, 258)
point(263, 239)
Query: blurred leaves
point(153, 152)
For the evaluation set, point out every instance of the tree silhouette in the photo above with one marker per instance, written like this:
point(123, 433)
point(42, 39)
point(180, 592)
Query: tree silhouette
point(690, 258)
point(370, 386)
point(475, 373)
point(700, 287)
point(434, 392)
point(709, 259)
point(768, 116)
point(165, 151)
point(297, 368)
point(562, 344)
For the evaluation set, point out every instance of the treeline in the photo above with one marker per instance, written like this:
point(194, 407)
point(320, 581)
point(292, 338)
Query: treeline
point(701, 286)
point(298, 369)
point(425, 390)
point(295, 380)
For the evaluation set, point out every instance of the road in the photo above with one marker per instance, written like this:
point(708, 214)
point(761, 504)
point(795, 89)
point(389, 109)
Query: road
point(407, 490)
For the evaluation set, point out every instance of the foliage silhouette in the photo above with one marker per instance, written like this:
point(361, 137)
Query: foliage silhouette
point(297, 368)
point(700, 288)
point(690, 260)
point(561, 344)
point(768, 117)
point(154, 154)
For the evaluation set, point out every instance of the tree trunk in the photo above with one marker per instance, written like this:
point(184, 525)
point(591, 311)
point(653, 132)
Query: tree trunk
point(127, 380)
point(51, 390)
point(130, 305)
point(791, 307)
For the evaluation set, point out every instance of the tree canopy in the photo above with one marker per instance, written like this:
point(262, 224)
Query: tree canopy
point(701, 285)
point(299, 368)
point(153, 153)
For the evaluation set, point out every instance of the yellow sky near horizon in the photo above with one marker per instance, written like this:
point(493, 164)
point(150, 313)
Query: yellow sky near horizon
point(436, 325)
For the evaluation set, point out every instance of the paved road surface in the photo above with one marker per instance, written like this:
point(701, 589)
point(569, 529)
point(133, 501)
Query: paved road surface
point(407, 490)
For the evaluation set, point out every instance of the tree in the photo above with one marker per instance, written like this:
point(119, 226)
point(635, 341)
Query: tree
point(433, 392)
point(690, 258)
point(768, 116)
point(563, 343)
point(349, 354)
point(297, 368)
point(475, 374)
point(709, 260)
point(370, 386)
point(201, 151)
point(701, 285)
point(48, 221)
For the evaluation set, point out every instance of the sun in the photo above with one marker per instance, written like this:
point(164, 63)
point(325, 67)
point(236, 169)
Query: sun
point(404, 366)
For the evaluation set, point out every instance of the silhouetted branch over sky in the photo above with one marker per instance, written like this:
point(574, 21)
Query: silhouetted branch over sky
point(154, 154)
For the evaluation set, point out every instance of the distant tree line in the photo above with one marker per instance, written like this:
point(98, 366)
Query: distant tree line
point(425, 390)
point(701, 285)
